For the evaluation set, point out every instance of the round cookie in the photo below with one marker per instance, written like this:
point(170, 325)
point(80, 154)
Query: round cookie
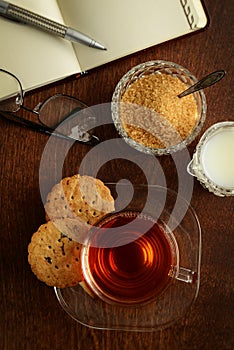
point(54, 256)
point(79, 196)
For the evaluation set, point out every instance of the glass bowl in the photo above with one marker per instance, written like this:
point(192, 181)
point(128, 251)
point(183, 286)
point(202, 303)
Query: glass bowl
point(173, 302)
point(143, 70)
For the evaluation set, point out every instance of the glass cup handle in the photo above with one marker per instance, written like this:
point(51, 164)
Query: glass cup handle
point(186, 275)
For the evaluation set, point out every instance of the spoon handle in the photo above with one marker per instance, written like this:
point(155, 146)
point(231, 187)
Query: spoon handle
point(204, 82)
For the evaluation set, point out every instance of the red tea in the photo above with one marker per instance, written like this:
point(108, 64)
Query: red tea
point(128, 259)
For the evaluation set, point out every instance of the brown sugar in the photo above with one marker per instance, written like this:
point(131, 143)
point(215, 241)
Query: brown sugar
point(154, 115)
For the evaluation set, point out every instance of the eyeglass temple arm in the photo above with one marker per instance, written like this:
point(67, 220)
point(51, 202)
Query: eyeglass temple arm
point(29, 109)
point(42, 128)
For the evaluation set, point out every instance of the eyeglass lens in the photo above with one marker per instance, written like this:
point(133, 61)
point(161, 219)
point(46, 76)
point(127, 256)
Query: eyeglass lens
point(11, 95)
point(69, 115)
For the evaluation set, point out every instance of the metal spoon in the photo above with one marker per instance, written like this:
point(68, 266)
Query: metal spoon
point(209, 80)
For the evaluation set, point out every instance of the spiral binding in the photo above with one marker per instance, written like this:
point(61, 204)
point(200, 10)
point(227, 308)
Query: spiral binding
point(188, 13)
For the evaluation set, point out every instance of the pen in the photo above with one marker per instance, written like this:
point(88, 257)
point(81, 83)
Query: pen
point(22, 15)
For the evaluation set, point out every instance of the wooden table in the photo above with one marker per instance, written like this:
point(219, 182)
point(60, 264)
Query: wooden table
point(31, 317)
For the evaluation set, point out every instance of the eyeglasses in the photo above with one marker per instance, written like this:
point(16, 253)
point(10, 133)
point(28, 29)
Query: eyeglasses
point(60, 115)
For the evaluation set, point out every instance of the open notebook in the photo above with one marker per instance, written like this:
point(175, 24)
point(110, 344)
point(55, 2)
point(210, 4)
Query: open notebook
point(123, 26)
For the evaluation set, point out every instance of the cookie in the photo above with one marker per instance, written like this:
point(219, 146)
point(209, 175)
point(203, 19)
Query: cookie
point(79, 196)
point(54, 255)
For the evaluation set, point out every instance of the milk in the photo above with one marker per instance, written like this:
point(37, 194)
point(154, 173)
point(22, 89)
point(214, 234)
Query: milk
point(217, 158)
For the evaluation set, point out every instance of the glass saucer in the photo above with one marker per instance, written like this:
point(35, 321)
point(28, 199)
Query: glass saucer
point(171, 305)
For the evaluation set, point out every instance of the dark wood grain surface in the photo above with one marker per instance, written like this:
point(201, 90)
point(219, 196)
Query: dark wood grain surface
point(30, 316)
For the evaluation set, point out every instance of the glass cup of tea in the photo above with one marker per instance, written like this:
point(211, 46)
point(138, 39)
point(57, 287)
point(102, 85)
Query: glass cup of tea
point(130, 259)
point(141, 264)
